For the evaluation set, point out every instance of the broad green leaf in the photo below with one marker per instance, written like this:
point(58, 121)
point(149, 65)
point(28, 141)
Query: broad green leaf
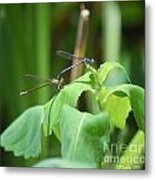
point(68, 95)
point(23, 136)
point(106, 68)
point(137, 103)
point(62, 163)
point(84, 135)
point(135, 95)
point(133, 156)
point(118, 109)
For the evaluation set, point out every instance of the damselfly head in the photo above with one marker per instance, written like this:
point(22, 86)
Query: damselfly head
point(89, 60)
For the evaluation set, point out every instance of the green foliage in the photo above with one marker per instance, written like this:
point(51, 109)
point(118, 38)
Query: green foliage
point(133, 157)
point(106, 68)
point(68, 95)
point(61, 163)
point(86, 136)
point(135, 95)
point(23, 136)
point(116, 104)
point(83, 136)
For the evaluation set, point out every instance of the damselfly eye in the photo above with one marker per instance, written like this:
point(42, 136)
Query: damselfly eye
point(89, 60)
point(92, 61)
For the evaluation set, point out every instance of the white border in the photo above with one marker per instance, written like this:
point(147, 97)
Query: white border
point(39, 174)
point(150, 87)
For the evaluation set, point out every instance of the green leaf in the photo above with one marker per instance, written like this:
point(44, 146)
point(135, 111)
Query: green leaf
point(23, 136)
point(135, 95)
point(106, 68)
point(84, 135)
point(62, 163)
point(118, 109)
point(137, 103)
point(133, 156)
point(68, 95)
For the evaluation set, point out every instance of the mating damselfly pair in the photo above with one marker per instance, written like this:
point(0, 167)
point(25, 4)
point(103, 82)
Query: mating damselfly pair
point(59, 80)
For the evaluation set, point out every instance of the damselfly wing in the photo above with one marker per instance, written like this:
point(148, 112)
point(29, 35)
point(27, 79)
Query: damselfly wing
point(42, 83)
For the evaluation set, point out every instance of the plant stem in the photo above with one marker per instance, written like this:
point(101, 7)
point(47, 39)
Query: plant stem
point(81, 41)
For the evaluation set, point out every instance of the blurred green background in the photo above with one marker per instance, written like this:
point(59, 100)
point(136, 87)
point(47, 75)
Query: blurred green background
point(30, 35)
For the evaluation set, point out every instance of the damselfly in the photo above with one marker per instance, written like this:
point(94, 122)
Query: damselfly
point(70, 56)
point(43, 83)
